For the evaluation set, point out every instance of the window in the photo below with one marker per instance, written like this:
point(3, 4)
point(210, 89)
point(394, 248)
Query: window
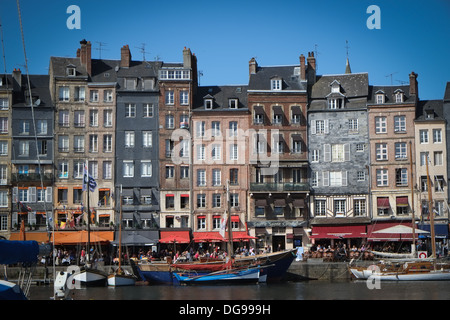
point(381, 151)
point(201, 178)
point(80, 94)
point(234, 174)
point(64, 93)
point(361, 176)
point(24, 127)
point(63, 169)
point(128, 169)
point(108, 96)
point(382, 177)
point(147, 139)
point(107, 143)
point(423, 158)
point(170, 172)
point(277, 119)
point(314, 179)
point(340, 152)
point(260, 143)
point(439, 183)
point(184, 172)
point(170, 97)
point(258, 118)
point(216, 177)
point(78, 143)
point(439, 208)
point(93, 96)
point(353, 125)
point(93, 118)
point(296, 145)
point(423, 183)
point(148, 110)
point(438, 158)
point(233, 103)
point(208, 103)
point(401, 177)
point(201, 152)
point(320, 208)
point(130, 84)
point(62, 195)
point(315, 155)
point(200, 128)
point(170, 202)
point(359, 207)
point(184, 121)
point(42, 147)
point(79, 119)
point(184, 97)
point(170, 121)
point(216, 152)
point(380, 98)
point(399, 97)
point(93, 143)
point(3, 125)
point(233, 152)
point(4, 104)
point(278, 144)
point(77, 195)
point(129, 139)
point(78, 169)
point(399, 124)
point(275, 84)
point(201, 200)
point(338, 178)
point(360, 147)
point(24, 148)
point(216, 200)
point(130, 110)
point(339, 207)
point(201, 222)
point(184, 201)
point(400, 151)
point(146, 168)
point(380, 125)
point(107, 118)
point(234, 199)
point(93, 169)
point(63, 143)
point(107, 170)
point(3, 148)
point(423, 134)
point(215, 125)
point(233, 126)
point(437, 135)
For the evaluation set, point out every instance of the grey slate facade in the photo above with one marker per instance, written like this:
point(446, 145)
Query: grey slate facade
point(338, 143)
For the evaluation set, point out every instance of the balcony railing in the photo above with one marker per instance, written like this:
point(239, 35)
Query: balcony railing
point(21, 177)
point(279, 187)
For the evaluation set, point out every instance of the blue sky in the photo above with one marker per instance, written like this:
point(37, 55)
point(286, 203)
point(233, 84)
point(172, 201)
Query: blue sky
point(224, 35)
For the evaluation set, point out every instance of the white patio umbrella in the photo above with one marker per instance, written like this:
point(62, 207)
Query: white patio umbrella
point(401, 229)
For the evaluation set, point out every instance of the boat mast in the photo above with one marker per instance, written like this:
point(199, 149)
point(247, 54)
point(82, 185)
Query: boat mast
point(86, 181)
point(431, 213)
point(230, 232)
point(119, 270)
point(412, 200)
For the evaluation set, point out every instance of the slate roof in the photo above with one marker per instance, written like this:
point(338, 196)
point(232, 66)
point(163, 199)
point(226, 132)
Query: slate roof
point(39, 90)
point(447, 92)
point(220, 96)
point(59, 65)
point(389, 92)
point(261, 79)
point(435, 107)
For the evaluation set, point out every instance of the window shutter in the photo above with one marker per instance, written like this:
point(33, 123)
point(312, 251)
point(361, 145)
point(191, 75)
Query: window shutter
point(346, 152)
point(15, 195)
point(326, 125)
point(326, 178)
point(32, 191)
point(49, 194)
point(313, 126)
point(344, 178)
point(327, 152)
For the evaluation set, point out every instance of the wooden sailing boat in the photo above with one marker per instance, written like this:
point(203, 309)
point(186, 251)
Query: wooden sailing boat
point(119, 277)
point(239, 275)
point(412, 270)
point(89, 276)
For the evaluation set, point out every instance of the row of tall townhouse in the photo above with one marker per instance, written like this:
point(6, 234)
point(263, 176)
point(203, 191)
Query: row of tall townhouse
point(305, 157)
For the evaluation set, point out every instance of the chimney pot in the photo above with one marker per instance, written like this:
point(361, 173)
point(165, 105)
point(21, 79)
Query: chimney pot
point(125, 57)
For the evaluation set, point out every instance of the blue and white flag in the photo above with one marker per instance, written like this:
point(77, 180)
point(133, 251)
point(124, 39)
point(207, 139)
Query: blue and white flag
point(88, 180)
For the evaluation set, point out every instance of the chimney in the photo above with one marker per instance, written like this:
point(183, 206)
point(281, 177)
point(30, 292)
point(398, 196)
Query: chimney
point(125, 57)
point(302, 67)
point(85, 55)
point(187, 58)
point(311, 67)
point(17, 76)
point(413, 86)
point(252, 66)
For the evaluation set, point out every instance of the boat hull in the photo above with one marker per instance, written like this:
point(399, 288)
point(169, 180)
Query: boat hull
point(240, 277)
point(116, 280)
point(90, 278)
point(10, 291)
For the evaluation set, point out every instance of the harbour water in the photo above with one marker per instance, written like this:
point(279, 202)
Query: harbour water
point(306, 290)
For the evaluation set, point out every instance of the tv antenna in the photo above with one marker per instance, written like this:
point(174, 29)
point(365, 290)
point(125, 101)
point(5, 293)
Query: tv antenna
point(142, 50)
point(316, 55)
point(100, 48)
point(200, 74)
point(390, 75)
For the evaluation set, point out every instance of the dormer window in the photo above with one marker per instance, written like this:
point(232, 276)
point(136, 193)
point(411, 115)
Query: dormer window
point(233, 103)
point(429, 114)
point(379, 96)
point(71, 71)
point(275, 84)
point(208, 104)
point(399, 96)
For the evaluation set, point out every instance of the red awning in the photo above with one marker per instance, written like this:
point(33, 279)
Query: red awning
point(235, 218)
point(339, 232)
point(383, 203)
point(177, 236)
point(402, 201)
point(241, 236)
point(208, 237)
point(371, 236)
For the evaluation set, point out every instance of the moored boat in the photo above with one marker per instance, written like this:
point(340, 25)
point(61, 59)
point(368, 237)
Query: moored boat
point(117, 279)
point(234, 276)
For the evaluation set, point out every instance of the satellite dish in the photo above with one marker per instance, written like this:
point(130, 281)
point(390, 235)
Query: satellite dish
point(38, 102)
